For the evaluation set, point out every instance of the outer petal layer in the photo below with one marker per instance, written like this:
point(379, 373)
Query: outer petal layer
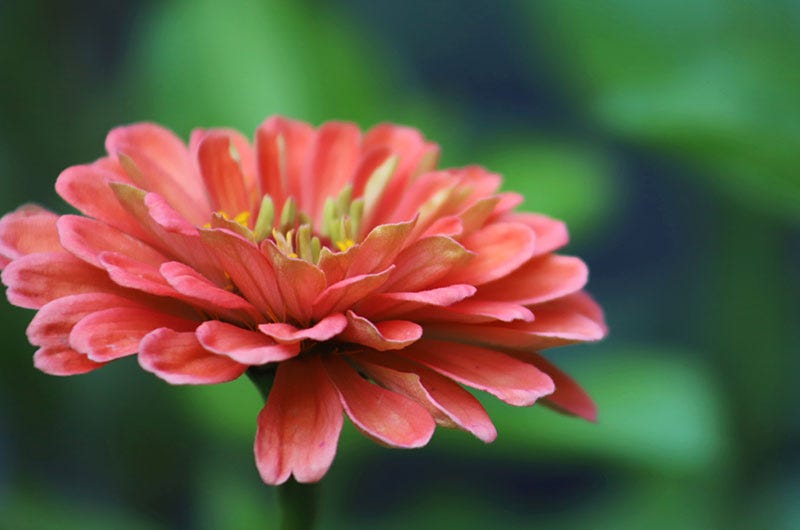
point(298, 428)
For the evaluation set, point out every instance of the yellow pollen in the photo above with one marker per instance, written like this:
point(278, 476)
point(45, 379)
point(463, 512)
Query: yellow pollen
point(292, 255)
point(243, 218)
point(345, 244)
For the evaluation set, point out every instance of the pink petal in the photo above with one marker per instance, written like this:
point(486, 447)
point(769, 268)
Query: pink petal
point(298, 428)
point(27, 230)
point(335, 265)
point(87, 239)
point(331, 162)
point(133, 274)
point(426, 262)
point(248, 269)
point(301, 282)
point(500, 247)
point(179, 359)
point(281, 148)
point(475, 217)
point(175, 236)
point(52, 324)
point(162, 165)
point(448, 403)
point(36, 279)
point(113, 333)
point(381, 336)
point(198, 290)
point(540, 280)
point(569, 397)
point(551, 234)
point(474, 311)
point(342, 295)
point(60, 360)
point(242, 345)
point(222, 174)
point(87, 189)
point(380, 248)
point(511, 380)
point(387, 417)
point(392, 305)
point(323, 330)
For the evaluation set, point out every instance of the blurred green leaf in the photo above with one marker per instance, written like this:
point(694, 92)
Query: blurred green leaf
point(714, 84)
point(34, 509)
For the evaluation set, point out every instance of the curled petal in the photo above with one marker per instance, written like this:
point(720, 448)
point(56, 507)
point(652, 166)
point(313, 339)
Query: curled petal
point(179, 359)
point(298, 428)
point(60, 360)
point(385, 416)
point(475, 311)
point(27, 230)
point(242, 345)
point(381, 336)
point(53, 323)
point(197, 289)
point(323, 330)
point(344, 294)
point(113, 333)
point(36, 279)
point(448, 403)
point(511, 380)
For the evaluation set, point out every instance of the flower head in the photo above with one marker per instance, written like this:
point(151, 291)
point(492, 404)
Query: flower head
point(369, 282)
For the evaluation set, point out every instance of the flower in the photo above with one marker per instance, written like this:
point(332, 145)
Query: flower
point(370, 283)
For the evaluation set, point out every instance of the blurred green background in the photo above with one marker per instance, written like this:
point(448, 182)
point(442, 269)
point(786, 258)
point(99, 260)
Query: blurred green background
point(666, 134)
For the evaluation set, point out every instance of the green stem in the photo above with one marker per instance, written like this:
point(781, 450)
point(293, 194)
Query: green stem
point(298, 502)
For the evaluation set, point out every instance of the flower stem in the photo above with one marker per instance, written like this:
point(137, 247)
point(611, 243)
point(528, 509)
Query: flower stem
point(298, 502)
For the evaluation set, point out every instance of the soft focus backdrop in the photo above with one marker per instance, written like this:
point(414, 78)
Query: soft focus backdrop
point(667, 136)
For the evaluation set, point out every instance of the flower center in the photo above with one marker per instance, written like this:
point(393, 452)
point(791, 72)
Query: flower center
point(294, 232)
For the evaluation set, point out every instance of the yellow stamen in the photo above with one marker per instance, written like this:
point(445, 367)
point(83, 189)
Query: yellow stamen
point(345, 244)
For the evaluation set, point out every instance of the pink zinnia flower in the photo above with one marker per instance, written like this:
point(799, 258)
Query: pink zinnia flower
point(370, 283)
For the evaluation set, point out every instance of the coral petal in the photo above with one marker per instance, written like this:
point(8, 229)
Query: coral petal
point(87, 239)
point(569, 397)
point(450, 405)
point(332, 160)
point(427, 261)
point(539, 280)
point(500, 248)
point(381, 336)
point(298, 428)
point(36, 279)
point(180, 359)
point(323, 330)
point(391, 305)
point(60, 360)
point(342, 295)
point(385, 416)
point(53, 322)
point(511, 380)
point(550, 233)
point(27, 230)
point(222, 174)
point(242, 345)
point(302, 282)
point(113, 333)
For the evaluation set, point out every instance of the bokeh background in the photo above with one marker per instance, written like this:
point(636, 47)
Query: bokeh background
point(666, 134)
